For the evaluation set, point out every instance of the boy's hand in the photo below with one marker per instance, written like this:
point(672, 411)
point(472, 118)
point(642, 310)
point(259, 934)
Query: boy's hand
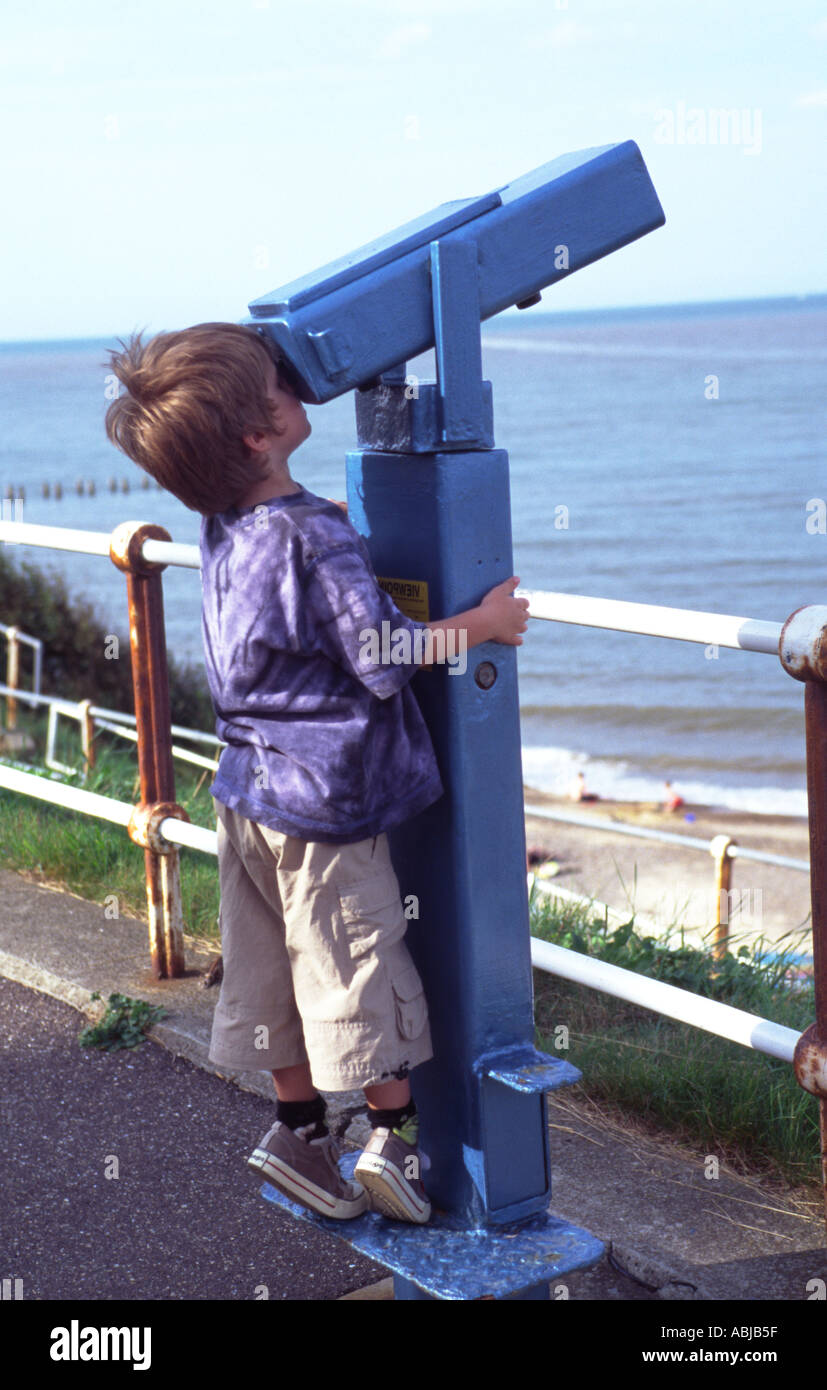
point(343, 505)
point(508, 615)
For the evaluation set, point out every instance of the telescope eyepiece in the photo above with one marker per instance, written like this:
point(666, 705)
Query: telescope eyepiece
point(288, 377)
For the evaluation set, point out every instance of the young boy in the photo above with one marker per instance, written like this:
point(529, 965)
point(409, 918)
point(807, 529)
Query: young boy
point(327, 751)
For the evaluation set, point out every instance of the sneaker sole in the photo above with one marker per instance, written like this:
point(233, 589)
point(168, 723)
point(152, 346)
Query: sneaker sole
point(388, 1191)
point(300, 1189)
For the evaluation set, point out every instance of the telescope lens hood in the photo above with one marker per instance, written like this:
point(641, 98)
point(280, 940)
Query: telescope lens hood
point(288, 376)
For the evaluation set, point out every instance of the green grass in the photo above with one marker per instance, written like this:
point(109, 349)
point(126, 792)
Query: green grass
point(96, 859)
point(92, 858)
point(124, 1023)
point(739, 1105)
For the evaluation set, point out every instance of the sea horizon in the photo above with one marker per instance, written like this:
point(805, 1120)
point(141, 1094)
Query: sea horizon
point(814, 299)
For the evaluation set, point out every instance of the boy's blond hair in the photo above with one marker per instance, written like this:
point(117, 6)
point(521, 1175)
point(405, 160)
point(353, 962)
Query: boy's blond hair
point(191, 397)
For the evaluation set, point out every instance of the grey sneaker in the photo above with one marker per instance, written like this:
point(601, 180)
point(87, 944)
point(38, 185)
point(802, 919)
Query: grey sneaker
point(307, 1171)
point(389, 1168)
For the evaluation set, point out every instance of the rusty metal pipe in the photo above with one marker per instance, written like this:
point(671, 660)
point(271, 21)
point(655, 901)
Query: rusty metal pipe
point(719, 849)
point(815, 711)
point(87, 733)
point(803, 653)
point(811, 1053)
point(153, 724)
point(12, 675)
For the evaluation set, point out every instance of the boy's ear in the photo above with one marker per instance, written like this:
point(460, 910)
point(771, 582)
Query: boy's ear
point(259, 443)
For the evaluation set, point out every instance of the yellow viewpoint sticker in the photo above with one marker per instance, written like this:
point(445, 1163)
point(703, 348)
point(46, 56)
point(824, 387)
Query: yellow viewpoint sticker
point(409, 595)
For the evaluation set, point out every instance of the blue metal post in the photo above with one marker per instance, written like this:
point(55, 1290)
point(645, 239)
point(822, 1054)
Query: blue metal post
point(442, 519)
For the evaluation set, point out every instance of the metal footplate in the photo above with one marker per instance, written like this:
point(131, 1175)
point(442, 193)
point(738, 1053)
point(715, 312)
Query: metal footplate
point(446, 1261)
point(527, 1070)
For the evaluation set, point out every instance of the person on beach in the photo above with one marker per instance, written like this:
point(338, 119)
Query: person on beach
point(578, 792)
point(672, 801)
point(326, 751)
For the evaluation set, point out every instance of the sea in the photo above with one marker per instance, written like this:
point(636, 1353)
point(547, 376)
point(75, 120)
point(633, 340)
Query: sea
point(671, 455)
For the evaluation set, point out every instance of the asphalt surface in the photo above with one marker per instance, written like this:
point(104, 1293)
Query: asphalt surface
point(183, 1219)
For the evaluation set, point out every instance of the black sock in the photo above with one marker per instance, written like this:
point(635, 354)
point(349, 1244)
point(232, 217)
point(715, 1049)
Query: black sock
point(391, 1119)
point(298, 1113)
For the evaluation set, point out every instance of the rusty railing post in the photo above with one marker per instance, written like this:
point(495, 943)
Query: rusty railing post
point(147, 642)
point(12, 675)
point(719, 849)
point(803, 653)
point(87, 734)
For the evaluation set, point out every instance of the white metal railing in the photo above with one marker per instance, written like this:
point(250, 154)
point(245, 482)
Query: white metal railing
point(178, 832)
point(681, 624)
point(615, 915)
point(196, 735)
point(96, 543)
point(747, 1029)
point(111, 720)
point(184, 754)
point(13, 635)
point(667, 837)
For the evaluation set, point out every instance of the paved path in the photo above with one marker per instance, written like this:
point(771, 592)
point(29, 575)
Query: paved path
point(184, 1219)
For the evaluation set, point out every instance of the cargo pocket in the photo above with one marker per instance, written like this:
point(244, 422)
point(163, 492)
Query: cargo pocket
point(371, 913)
point(409, 1001)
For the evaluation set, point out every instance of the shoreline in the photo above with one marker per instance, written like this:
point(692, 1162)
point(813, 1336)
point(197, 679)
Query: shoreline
point(650, 815)
point(674, 885)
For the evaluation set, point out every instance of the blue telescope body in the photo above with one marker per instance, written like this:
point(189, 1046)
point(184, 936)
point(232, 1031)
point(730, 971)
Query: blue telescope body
point(345, 324)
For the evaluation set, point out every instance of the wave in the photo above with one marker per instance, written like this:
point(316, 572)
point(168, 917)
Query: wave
point(562, 347)
point(552, 770)
point(680, 719)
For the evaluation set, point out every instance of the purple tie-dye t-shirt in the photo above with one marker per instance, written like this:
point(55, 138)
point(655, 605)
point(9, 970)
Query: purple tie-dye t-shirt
point(324, 743)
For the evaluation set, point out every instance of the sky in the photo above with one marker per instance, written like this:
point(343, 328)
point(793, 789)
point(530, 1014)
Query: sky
point(164, 162)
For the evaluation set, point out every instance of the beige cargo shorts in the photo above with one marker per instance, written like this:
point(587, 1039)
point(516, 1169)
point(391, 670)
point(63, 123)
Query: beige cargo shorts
point(315, 967)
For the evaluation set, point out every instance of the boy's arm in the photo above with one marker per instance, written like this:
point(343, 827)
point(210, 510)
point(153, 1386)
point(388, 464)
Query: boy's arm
point(498, 613)
point(498, 618)
point(351, 618)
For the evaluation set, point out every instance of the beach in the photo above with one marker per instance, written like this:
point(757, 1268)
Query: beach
point(667, 885)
